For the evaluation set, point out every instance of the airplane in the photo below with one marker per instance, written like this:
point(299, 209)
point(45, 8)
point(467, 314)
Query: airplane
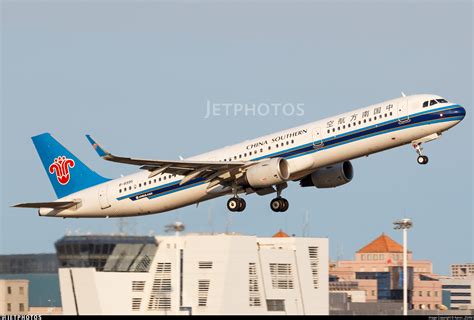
point(316, 154)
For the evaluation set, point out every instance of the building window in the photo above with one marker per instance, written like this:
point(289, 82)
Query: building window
point(22, 290)
point(9, 290)
point(428, 293)
point(373, 293)
point(205, 264)
point(436, 293)
point(281, 275)
point(22, 307)
point(420, 293)
point(203, 292)
point(9, 307)
point(276, 305)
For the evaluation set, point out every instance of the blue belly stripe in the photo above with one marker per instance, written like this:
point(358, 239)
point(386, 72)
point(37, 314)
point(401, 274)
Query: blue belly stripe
point(417, 119)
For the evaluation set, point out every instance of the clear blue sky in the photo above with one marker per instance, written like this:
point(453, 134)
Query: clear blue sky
point(137, 76)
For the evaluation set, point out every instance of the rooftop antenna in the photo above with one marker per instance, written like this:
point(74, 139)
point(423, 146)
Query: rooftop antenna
point(227, 223)
point(340, 252)
point(210, 219)
point(306, 224)
point(122, 225)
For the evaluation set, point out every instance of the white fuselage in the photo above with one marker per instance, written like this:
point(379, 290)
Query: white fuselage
point(306, 148)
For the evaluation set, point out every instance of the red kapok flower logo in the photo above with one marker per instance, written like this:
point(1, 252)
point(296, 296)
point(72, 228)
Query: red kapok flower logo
point(60, 166)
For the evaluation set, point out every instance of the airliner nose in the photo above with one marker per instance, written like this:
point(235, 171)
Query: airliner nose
point(462, 112)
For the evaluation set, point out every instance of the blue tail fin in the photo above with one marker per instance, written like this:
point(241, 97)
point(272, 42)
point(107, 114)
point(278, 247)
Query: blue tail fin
point(66, 172)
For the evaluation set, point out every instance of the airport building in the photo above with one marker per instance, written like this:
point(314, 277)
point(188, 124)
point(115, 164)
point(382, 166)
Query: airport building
point(38, 274)
point(377, 269)
point(13, 297)
point(461, 292)
point(194, 274)
point(462, 270)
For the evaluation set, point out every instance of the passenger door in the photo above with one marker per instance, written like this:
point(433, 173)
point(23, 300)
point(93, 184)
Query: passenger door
point(403, 114)
point(317, 138)
point(104, 201)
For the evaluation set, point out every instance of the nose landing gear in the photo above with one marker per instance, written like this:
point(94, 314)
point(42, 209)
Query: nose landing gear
point(421, 158)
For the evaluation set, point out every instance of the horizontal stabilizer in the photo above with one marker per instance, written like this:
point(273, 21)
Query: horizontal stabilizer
point(52, 205)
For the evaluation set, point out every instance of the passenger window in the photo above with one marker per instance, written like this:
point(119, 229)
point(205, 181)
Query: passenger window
point(360, 122)
point(269, 147)
point(425, 104)
point(164, 178)
point(370, 119)
point(338, 128)
point(240, 156)
point(349, 125)
point(365, 120)
point(120, 190)
point(333, 129)
point(154, 180)
point(292, 141)
point(276, 146)
point(139, 185)
point(391, 113)
point(261, 149)
point(329, 131)
point(287, 143)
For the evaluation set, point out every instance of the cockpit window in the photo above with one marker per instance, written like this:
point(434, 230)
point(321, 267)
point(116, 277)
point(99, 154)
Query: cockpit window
point(425, 104)
point(442, 100)
point(433, 102)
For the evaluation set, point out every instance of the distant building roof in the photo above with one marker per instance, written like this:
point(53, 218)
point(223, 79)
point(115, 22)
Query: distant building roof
point(28, 263)
point(381, 245)
point(280, 234)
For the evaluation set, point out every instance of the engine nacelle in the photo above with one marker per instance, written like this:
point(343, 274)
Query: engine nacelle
point(329, 177)
point(268, 173)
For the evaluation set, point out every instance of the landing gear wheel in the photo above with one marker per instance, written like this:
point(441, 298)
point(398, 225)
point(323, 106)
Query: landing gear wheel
point(242, 204)
point(236, 204)
point(422, 159)
point(233, 204)
point(285, 206)
point(279, 205)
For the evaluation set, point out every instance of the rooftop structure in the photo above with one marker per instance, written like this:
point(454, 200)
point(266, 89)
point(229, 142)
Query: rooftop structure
point(377, 268)
point(207, 274)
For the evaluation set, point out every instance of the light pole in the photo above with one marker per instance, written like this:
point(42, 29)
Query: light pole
point(404, 224)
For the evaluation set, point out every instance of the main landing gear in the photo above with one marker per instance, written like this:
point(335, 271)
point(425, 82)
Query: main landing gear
point(236, 204)
point(421, 158)
point(279, 204)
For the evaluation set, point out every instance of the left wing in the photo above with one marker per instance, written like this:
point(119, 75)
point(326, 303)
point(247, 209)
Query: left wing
point(210, 170)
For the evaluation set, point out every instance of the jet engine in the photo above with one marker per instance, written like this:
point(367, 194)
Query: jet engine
point(267, 173)
point(329, 177)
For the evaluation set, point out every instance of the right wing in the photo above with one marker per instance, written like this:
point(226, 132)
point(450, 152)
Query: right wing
point(51, 205)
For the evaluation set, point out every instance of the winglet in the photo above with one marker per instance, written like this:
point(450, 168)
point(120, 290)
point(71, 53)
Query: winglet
point(100, 151)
